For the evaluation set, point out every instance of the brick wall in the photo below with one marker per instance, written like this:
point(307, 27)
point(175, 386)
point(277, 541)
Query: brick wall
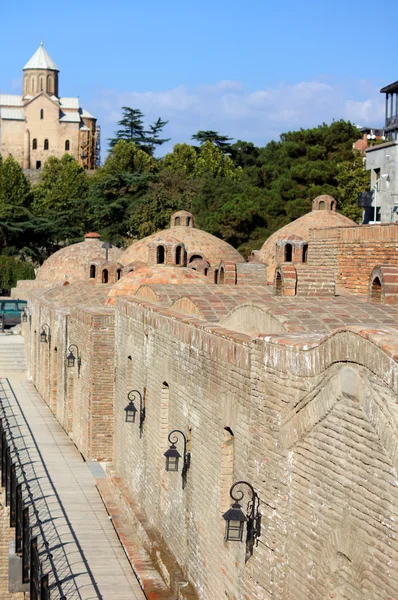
point(313, 434)
point(353, 252)
point(91, 403)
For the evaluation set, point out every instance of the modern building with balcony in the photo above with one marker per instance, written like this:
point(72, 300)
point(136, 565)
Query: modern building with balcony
point(380, 204)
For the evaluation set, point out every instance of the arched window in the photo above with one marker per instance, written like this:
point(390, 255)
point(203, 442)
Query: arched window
point(375, 293)
point(41, 113)
point(215, 275)
point(332, 206)
point(93, 271)
point(67, 145)
point(322, 205)
point(177, 221)
point(178, 255)
point(195, 257)
point(45, 144)
point(118, 274)
point(221, 276)
point(160, 255)
point(205, 272)
point(32, 85)
point(305, 252)
point(188, 221)
point(50, 85)
point(34, 144)
point(41, 84)
point(288, 252)
point(105, 276)
point(278, 285)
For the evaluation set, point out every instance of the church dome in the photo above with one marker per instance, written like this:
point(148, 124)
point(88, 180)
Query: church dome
point(197, 244)
point(155, 275)
point(323, 215)
point(72, 263)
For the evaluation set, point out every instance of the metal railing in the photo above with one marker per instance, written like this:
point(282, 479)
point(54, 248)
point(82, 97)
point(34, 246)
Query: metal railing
point(20, 499)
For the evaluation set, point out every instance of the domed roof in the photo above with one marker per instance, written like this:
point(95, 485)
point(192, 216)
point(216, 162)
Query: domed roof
point(157, 274)
point(196, 241)
point(72, 262)
point(323, 215)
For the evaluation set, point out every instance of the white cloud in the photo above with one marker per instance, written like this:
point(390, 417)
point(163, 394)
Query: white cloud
point(256, 116)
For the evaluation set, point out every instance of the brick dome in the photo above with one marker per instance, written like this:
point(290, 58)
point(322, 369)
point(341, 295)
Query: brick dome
point(323, 215)
point(72, 263)
point(157, 274)
point(197, 243)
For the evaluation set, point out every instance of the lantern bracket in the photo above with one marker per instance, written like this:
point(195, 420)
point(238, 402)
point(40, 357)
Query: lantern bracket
point(253, 515)
point(173, 439)
point(132, 397)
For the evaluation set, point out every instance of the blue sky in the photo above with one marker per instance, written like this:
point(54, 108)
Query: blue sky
point(250, 70)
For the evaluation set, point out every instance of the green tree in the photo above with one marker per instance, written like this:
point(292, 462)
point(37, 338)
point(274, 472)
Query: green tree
point(209, 159)
point(115, 189)
point(170, 192)
point(15, 200)
point(352, 178)
point(221, 141)
point(60, 205)
point(132, 129)
point(12, 270)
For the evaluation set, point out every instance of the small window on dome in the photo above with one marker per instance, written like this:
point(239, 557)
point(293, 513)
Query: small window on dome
point(215, 275)
point(92, 271)
point(278, 285)
point(160, 257)
point(177, 221)
point(305, 253)
point(375, 293)
point(205, 272)
point(188, 221)
point(322, 205)
point(118, 274)
point(105, 276)
point(178, 255)
point(221, 278)
point(288, 252)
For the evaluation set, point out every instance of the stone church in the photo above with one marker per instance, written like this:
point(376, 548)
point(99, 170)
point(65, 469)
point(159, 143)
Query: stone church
point(40, 123)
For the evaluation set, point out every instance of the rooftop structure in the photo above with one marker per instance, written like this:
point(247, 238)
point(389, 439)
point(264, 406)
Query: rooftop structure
point(290, 386)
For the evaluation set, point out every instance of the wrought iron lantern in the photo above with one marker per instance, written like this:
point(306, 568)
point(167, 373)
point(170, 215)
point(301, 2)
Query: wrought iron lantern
point(131, 409)
point(25, 314)
point(45, 334)
point(173, 456)
point(107, 246)
point(235, 521)
point(71, 358)
point(235, 518)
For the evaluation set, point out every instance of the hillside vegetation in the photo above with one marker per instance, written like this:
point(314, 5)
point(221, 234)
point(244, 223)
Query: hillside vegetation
point(237, 191)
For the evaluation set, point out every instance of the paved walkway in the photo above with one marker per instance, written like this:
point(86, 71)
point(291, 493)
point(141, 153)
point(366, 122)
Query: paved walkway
point(89, 559)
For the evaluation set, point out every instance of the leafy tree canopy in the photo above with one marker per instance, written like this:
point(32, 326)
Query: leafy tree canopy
point(12, 270)
point(221, 141)
point(132, 129)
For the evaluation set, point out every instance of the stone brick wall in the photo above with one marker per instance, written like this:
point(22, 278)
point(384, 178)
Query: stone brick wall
point(91, 402)
point(361, 249)
point(353, 252)
point(199, 383)
point(313, 424)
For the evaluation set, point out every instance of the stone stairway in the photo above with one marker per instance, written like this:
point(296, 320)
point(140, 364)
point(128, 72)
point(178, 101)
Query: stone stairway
point(12, 354)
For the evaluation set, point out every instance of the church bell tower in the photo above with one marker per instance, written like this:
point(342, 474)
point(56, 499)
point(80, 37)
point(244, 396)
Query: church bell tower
point(40, 74)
